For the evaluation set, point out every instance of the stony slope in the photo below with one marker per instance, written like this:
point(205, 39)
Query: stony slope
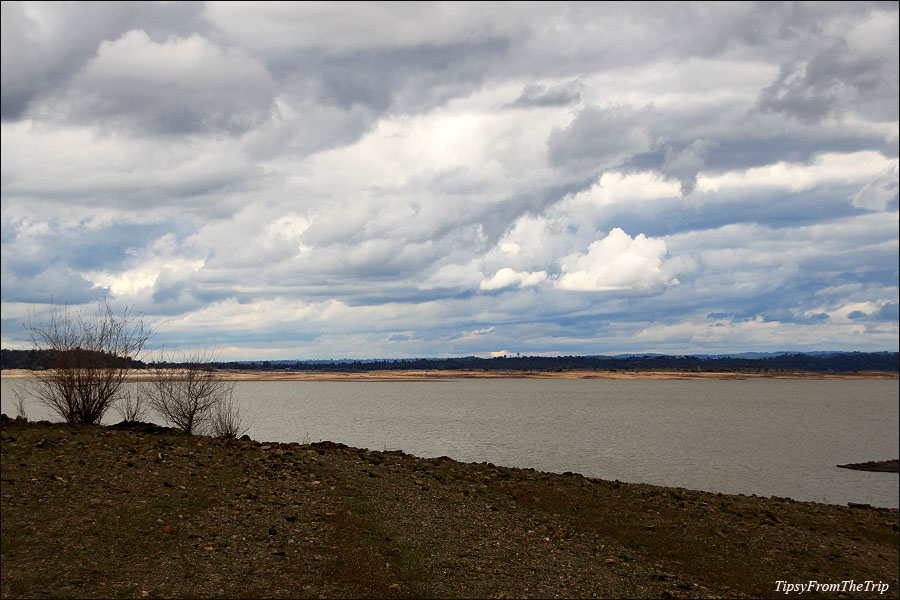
point(104, 512)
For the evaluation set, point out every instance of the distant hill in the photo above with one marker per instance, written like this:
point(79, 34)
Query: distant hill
point(40, 359)
point(819, 362)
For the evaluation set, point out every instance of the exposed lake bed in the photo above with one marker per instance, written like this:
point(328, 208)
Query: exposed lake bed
point(117, 512)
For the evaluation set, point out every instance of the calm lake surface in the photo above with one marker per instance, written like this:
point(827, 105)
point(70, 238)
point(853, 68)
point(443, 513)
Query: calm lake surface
point(764, 437)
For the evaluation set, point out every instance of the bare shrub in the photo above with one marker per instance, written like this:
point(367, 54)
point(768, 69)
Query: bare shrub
point(225, 418)
point(20, 405)
point(186, 392)
point(90, 358)
point(130, 405)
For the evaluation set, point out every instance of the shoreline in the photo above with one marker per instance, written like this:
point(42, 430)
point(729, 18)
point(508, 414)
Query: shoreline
point(151, 428)
point(439, 375)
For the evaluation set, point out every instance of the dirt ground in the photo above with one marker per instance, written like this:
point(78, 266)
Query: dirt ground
point(145, 512)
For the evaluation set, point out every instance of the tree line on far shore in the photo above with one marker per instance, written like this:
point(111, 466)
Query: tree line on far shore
point(838, 362)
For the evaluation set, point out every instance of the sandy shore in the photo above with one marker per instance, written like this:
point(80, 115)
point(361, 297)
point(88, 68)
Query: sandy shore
point(436, 375)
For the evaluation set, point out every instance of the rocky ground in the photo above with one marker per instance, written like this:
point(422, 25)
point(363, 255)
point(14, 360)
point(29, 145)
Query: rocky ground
point(144, 512)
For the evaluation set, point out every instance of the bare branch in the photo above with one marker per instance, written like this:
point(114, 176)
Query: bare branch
point(130, 405)
point(90, 359)
point(225, 419)
point(186, 391)
point(20, 405)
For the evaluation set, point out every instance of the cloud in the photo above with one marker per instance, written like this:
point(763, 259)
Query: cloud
point(617, 262)
point(601, 138)
point(112, 171)
point(878, 193)
point(686, 164)
point(836, 79)
point(889, 312)
point(53, 283)
point(542, 96)
point(455, 276)
point(42, 51)
point(182, 85)
point(276, 25)
point(506, 277)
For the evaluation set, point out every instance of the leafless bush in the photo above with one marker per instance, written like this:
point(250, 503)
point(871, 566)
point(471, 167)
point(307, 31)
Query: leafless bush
point(20, 405)
point(225, 418)
point(90, 358)
point(130, 405)
point(186, 392)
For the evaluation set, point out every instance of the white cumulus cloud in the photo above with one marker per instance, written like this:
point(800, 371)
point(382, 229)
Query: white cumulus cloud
point(617, 262)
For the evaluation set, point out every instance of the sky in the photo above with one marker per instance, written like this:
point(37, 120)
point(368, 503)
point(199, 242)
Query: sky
point(388, 180)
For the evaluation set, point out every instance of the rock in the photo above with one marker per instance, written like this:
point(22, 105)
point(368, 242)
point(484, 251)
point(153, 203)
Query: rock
point(142, 427)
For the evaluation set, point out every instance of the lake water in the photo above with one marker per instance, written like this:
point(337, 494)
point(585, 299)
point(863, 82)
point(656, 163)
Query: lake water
point(764, 437)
